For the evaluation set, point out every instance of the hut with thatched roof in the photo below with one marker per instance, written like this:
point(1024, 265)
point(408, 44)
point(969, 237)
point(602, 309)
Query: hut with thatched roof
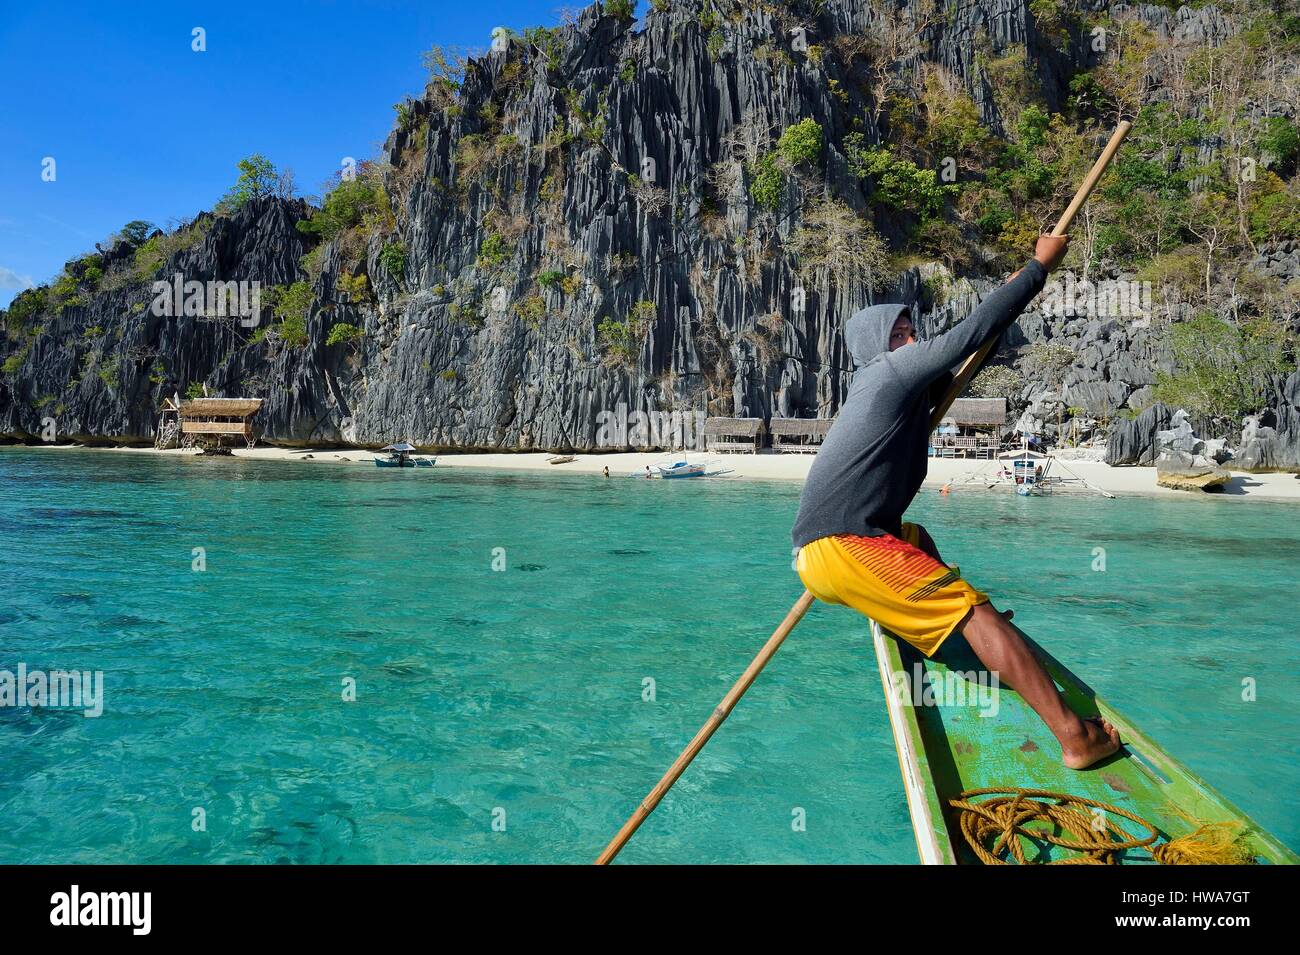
point(799, 434)
point(971, 429)
point(215, 418)
point(734, 434)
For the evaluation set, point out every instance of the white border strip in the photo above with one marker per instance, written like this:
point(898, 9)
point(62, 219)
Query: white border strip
point(918, 805)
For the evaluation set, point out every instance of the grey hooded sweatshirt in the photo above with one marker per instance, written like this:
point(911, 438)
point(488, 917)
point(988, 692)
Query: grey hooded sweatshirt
point(876, 454)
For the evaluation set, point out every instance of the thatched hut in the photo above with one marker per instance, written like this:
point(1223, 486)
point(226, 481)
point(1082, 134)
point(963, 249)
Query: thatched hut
point(799, 434)
point(734, 434)
point(217, 418)
point(971, 429)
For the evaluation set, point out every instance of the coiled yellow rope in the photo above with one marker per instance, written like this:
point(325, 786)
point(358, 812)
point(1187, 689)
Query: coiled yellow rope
point(996, 830)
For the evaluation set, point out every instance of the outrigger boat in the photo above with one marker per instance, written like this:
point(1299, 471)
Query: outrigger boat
point(679, 469)
point(1028, 471)
point(946, 747)
point(399, 456)
point(682, 469)
point(1031, 474)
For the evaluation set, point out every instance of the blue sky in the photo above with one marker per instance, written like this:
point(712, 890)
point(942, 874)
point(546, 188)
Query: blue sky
point(142, 127)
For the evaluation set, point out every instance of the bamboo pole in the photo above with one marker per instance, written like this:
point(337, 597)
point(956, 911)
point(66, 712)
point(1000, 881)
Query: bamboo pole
point(972, 364)
point(710, 726)
point(805, 601)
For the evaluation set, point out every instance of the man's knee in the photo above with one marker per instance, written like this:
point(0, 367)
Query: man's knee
point(987, 619)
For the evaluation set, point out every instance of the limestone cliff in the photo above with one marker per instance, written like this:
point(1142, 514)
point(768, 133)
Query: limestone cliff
point(604, 214)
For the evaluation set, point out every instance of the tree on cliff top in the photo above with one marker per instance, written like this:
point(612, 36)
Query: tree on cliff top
point(258, 177)
point(136, 232)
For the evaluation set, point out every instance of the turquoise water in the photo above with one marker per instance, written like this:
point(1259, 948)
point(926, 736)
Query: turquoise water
point(482, 693)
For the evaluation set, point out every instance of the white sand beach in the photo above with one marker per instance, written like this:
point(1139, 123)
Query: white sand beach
point(767, 466)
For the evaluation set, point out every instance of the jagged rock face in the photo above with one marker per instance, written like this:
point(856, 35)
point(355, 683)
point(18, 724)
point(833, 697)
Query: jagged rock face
point(1281, 260)
point(1135, 441)
point(709, 260)
point(152, 355)
point(1271, 442)
point(667, 128)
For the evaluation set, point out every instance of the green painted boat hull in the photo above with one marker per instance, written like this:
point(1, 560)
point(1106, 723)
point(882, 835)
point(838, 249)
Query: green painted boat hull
point(946, 746)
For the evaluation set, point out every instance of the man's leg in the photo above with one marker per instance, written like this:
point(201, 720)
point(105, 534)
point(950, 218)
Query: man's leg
point(1003, 651)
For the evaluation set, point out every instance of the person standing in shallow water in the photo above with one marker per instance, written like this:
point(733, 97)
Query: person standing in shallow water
point(854, 547)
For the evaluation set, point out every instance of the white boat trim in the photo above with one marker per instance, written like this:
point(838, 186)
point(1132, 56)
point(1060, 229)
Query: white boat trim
point(918, 805)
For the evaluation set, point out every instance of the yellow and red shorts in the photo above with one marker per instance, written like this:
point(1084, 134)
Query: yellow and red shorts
point(892, 581)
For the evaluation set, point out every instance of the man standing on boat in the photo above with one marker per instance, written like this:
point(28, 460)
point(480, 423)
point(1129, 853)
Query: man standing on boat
point(854, 547)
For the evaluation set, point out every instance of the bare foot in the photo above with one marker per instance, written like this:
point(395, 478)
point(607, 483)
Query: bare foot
point(1097, 739)
point(1007, 614)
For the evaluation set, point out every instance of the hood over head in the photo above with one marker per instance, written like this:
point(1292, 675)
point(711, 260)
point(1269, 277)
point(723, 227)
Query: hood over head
point(866, 334)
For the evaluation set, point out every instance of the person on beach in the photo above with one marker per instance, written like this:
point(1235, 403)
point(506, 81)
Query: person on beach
point(853, 547)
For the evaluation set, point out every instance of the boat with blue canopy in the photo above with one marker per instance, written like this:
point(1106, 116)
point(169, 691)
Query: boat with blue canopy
point(399, 456)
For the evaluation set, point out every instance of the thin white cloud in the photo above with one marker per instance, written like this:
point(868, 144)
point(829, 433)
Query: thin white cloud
point(64, 225)
point(11, 279)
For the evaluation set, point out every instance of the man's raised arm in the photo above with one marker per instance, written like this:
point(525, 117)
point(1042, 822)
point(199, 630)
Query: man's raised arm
point(921, 362)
